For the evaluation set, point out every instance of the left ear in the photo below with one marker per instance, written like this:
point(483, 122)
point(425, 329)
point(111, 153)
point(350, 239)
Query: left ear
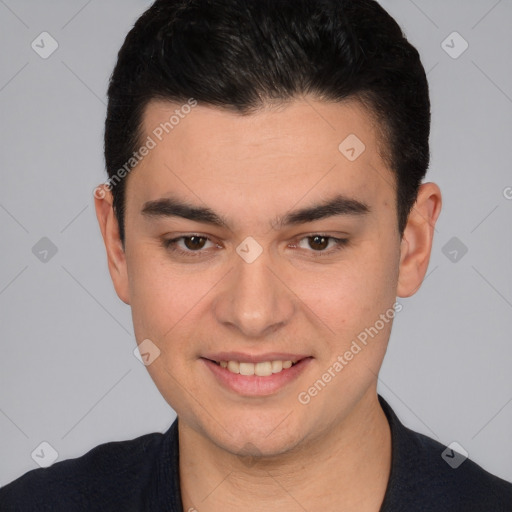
point(416, 244)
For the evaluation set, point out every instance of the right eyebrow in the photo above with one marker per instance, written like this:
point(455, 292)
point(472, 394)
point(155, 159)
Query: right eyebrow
point(171, 207)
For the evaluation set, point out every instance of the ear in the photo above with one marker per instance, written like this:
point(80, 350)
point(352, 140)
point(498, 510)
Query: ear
point(103, 202)
point(416, 244)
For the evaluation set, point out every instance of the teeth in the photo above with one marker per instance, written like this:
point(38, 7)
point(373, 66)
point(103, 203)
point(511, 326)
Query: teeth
point(277, 366)
point(263, 369)
point(246, 368)
point(234, 366)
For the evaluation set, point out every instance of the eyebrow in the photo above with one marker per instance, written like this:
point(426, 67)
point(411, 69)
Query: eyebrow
point(336, 206)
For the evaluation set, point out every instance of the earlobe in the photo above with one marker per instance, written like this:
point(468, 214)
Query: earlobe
point(416, 244)
point(116, 258)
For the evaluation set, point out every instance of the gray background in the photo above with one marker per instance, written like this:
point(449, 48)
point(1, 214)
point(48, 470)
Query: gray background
point(67, 372)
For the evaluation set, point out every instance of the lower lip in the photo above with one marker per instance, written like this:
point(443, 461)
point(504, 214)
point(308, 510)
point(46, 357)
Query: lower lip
point(253, 385)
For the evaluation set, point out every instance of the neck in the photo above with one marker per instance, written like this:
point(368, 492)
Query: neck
point(346, 470)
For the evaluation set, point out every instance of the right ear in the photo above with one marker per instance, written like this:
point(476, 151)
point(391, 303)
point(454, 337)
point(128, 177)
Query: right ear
point(103, 202)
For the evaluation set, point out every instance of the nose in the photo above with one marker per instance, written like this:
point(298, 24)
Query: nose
point(253, 300)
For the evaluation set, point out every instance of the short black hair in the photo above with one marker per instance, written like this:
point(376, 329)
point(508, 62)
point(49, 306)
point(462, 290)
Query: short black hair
point(243, 55)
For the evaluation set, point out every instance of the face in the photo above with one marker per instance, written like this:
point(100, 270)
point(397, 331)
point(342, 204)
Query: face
point(253, 241)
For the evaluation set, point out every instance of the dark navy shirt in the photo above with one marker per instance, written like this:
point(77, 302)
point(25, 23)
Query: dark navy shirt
point(143, 475)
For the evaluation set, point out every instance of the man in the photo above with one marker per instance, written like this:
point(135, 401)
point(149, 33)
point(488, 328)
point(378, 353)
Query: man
point(264, 209)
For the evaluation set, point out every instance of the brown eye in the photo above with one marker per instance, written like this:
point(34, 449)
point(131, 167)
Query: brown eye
point(319, 245)
point(189, 246)
point(194, 242)
point(318, 242)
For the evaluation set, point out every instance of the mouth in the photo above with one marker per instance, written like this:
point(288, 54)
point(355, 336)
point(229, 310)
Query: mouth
point(260, 369)
point(263, 376)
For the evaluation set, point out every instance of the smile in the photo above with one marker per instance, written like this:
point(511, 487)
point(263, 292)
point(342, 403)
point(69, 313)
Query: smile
point(256, 378)
point(261, 369)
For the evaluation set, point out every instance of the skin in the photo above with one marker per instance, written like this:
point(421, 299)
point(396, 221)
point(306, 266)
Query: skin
point(272, 452)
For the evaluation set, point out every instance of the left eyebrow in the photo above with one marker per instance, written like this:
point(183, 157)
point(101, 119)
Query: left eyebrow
point(337, 206)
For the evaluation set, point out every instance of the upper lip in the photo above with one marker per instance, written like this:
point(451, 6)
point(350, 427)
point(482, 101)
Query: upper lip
point(254, 358)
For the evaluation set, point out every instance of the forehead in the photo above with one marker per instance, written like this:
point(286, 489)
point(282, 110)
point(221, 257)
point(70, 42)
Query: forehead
point(278, 155)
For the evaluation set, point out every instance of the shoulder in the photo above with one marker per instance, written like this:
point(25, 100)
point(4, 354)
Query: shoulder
point(466, 487)
point(428, 476)
point(104, 478)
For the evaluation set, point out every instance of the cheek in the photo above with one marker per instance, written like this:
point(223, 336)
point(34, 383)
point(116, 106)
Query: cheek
point(353, 295)
point(169, 301)
point(160, 295)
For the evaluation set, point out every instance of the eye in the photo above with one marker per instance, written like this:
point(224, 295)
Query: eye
point(195, 245)
point(322, 244)
point(190, 245)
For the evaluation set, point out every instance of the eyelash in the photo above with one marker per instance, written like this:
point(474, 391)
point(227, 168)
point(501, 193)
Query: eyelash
point(171, 245)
